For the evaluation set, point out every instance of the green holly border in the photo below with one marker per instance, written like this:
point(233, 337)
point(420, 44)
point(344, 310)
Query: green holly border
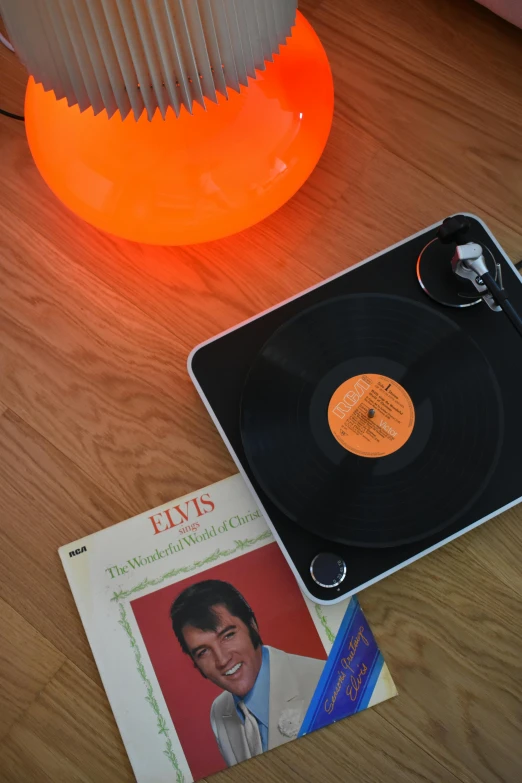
point(324, 622)
point(150, 698)
point(219, 553)
point(119, 597)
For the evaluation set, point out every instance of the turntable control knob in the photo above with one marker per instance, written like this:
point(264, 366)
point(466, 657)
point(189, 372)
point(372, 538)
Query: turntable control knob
point(328, 570)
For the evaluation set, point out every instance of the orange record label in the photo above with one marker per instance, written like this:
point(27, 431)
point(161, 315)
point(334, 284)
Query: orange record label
point(371, 415)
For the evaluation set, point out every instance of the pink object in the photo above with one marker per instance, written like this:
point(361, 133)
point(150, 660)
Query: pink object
point(509, 9)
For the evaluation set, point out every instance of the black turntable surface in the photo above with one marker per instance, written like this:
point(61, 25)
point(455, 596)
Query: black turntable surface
point(374, 420)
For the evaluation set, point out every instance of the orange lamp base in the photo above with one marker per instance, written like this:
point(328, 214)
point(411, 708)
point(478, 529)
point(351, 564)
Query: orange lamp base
point(197, 177)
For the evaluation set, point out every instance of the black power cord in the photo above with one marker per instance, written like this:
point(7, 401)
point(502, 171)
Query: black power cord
point(12, 116)
point(502, 300)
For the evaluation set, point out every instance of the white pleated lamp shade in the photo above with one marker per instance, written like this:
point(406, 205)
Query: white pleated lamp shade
point(146, 55)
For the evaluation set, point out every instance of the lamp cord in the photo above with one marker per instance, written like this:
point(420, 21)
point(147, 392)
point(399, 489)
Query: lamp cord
point(5, 113)
point(6, 43)
point(11, 115)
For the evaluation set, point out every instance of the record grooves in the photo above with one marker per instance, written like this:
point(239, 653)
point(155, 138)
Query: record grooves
point(375, 416)
point(404, 496)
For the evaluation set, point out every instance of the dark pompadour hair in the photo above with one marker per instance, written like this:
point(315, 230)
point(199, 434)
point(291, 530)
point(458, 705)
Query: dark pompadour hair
point(195, 606)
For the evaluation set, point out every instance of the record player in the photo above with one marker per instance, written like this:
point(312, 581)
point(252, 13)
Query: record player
point(376, 416)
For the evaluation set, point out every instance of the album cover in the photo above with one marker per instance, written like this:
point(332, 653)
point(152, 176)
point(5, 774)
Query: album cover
point(207, 649)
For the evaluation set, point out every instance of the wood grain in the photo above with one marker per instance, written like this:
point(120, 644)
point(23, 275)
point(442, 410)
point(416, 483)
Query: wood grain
point(12, 77)
point(351, 231)
point(98, 419)
point(436, 97)
point(27, 662)
point(68, 734)
point(371, 750)
point(118, 409)
point(46, 502)
point(467, 665)
point(496, 548)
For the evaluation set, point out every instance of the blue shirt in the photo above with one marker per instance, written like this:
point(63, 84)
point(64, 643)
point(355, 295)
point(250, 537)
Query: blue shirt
point(258, 699)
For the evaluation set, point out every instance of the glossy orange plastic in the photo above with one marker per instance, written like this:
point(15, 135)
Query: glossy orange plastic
point(196, 177)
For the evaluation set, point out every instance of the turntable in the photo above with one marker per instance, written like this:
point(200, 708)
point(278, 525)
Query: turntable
point(375, 416)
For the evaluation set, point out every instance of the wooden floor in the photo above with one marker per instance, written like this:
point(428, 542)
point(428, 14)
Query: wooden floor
point(99, 421)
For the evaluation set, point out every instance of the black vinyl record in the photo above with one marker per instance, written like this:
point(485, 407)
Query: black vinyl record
point(451, 446)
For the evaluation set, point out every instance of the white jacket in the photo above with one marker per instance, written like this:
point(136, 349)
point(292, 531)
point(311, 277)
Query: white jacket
point(293, 680)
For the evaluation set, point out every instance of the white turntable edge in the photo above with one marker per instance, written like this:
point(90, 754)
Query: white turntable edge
point(234, 456)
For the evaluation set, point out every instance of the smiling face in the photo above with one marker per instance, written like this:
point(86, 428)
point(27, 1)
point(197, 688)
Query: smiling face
point(225, 656)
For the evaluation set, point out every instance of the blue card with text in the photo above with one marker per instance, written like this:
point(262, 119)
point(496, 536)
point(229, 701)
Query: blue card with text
point(350, 673)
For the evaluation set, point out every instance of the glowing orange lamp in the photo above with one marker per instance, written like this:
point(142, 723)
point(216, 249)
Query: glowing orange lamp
point(187, 162)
